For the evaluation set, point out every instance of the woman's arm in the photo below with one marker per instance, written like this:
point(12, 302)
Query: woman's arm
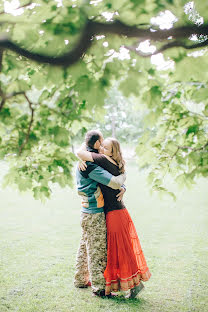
point(83, 154)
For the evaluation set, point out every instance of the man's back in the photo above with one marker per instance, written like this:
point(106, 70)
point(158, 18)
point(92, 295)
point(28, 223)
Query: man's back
point(88, 189)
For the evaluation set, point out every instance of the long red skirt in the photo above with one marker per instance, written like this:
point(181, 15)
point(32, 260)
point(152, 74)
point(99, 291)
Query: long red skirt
point(126, 264)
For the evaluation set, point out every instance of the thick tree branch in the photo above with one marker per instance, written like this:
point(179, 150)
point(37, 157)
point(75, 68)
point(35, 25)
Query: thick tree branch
point(67, 59)
point(93, 28)
point(119, 28)
point(30, 125)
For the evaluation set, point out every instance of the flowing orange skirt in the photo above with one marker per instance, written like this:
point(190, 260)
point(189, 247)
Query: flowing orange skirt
point(126, 264)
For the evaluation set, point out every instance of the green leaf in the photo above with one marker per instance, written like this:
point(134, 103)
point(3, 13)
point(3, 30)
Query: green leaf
point(205, 111)
point(200, 95)
point(41, 192)
point(192, 129)
point(60, 136)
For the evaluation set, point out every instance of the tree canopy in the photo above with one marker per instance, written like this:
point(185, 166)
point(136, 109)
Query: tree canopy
point(58, 63)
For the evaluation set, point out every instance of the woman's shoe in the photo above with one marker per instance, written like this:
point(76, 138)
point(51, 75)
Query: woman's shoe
point(135, 291)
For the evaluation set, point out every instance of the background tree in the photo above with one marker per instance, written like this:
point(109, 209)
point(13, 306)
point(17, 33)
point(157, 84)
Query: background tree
point(43, 107)
point(122, 117)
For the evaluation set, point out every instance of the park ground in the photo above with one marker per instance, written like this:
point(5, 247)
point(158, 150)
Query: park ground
point(39, 242)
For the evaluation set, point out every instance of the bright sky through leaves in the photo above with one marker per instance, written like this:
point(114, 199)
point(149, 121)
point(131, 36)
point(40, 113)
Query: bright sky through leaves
point(12, 7)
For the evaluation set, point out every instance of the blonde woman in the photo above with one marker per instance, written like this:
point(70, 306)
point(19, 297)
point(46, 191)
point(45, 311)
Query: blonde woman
point(126, 264)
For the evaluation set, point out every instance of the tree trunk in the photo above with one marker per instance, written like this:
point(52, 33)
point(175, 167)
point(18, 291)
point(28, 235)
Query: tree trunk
point(113, 126)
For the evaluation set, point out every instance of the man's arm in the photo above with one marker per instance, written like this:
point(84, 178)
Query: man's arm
point(83, 154)
point(104, 177)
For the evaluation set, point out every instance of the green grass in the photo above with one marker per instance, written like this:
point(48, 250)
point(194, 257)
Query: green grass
point(39, 242)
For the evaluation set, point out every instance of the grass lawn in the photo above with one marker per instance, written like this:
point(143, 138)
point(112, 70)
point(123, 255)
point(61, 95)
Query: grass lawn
point(39, 242)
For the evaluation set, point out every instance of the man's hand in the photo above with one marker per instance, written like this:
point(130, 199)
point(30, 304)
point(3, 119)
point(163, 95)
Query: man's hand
point(82, 165)
point(120, 195)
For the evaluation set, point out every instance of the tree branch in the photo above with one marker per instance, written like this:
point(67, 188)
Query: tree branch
point(67, 59)
point(195, 149)
point(30, 125)
point(119, 28)
point(1, 92)
point(10, 95)
point(174, 153)
point(2, 104)
point(93, 28)
point(1, 58)
point(167, 46)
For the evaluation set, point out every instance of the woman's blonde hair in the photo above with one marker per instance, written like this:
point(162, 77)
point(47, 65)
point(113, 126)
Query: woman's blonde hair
point(117, 154)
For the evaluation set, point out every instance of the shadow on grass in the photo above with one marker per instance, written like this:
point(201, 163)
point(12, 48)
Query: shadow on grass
point(121, 299)
point(116, 301)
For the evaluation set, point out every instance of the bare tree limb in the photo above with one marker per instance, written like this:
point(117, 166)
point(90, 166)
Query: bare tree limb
point(2, 104)
point(93, 28)
point(1, 92)
point(167, 46)
point(10, 95)
point(1, 58)
point(193, 149)
point(30, 125)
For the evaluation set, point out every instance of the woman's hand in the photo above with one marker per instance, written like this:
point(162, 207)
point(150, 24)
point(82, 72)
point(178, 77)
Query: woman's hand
point(120, 195)
point(82, 165)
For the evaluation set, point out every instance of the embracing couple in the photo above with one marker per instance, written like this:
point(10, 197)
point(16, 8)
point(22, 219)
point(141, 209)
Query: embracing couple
point(114, 261)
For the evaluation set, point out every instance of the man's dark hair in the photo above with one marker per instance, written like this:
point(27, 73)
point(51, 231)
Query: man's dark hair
point(91, 137)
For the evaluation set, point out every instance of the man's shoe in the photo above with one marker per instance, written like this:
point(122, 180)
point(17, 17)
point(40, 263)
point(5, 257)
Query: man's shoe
point(84, 286)
point(112, 295)
point(135, 291)
point(99, 293)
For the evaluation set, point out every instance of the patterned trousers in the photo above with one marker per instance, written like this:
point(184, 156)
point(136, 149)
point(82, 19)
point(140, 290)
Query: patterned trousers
point(92, 253)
